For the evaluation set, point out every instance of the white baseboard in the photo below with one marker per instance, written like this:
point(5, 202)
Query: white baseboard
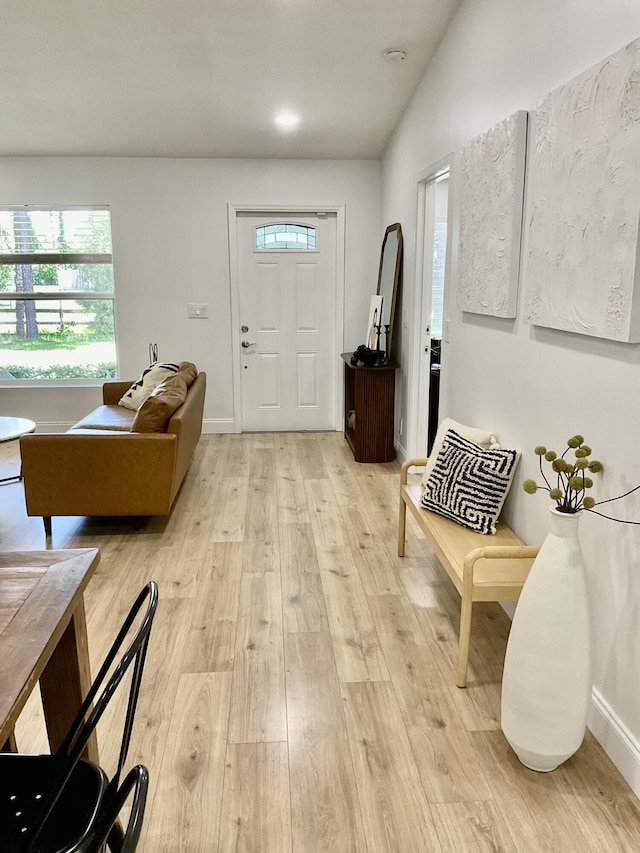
point(616, 740)
point(216, 426)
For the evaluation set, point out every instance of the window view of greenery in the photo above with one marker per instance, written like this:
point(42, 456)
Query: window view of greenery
point(56, 294)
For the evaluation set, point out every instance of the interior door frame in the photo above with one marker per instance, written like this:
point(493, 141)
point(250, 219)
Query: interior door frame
point(233, 210)
point(418, 364)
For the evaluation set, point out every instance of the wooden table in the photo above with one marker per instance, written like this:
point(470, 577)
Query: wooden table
point(10, 430)
point(43, 637)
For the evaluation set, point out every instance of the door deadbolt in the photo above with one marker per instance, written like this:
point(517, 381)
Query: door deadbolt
point(244, 328)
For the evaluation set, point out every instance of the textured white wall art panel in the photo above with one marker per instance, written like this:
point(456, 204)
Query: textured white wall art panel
point(584, 203)
point(491, 199)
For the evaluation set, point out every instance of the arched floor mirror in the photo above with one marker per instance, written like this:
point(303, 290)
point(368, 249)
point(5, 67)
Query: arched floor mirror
point(389, 278)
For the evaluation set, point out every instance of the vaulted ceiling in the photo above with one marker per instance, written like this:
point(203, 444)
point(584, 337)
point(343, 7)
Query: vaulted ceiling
point(204, 78)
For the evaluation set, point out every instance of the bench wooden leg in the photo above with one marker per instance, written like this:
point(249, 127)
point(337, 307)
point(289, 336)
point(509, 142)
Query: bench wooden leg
point(464, 641)
point(402, 526)
point(46, 519)
point(10, 745)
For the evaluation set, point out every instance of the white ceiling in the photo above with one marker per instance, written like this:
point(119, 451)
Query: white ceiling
point(203, 78)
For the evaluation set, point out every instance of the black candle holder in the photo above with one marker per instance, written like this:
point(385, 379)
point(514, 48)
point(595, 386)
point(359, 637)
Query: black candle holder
point(380, 356)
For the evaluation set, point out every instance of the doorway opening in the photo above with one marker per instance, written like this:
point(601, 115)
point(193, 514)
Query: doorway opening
point(434, 241)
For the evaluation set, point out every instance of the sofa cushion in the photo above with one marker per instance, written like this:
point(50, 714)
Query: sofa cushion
point(189, 371)
point(112, 418)
point(156, 411)
point(150, 378)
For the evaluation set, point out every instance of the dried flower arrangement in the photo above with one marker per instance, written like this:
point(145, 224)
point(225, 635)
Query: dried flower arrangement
point(572, 479)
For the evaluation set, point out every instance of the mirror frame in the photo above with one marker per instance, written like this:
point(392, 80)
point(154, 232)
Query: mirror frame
point(390, 311)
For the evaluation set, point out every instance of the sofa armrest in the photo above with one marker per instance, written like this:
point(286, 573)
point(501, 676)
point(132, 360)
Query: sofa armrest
point(113, 391)
point(186, 424)
point(96, 472)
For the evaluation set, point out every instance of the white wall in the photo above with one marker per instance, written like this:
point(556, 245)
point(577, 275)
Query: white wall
point(531, 385)
point(170, 247)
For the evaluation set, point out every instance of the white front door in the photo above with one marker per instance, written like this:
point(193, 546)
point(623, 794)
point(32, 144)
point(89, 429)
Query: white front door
point(287, 295)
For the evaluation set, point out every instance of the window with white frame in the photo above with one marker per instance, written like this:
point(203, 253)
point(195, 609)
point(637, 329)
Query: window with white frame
point(56, 294)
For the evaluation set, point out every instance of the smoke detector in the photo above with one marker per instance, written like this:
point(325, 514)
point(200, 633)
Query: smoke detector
point(395, 54)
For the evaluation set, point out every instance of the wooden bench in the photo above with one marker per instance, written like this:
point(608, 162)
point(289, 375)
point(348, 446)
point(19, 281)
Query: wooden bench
point(482, 568)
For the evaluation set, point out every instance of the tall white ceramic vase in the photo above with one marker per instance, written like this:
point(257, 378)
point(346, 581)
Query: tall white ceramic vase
point(546, 685)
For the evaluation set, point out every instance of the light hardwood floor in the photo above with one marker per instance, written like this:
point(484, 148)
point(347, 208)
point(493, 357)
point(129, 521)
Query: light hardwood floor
point(299, 692)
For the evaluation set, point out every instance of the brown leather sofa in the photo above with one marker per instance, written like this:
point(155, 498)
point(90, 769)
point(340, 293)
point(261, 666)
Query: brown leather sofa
point(99, 467)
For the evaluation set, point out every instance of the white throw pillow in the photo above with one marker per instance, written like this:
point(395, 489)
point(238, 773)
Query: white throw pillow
point(478, 436)
point(148, 381)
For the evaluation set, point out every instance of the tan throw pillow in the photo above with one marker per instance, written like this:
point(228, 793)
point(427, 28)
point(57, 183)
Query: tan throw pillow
point(478, 436)
point(189, 371)
point(155, 413)
point(149, 379)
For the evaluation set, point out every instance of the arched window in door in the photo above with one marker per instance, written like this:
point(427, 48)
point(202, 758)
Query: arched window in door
point(286, 235)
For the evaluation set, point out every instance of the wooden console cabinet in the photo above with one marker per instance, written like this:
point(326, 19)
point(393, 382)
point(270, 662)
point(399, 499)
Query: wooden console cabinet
point(369, 391)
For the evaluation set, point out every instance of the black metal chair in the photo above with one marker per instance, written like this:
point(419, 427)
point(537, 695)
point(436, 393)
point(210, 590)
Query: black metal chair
point(107, 826)
point(62, 803)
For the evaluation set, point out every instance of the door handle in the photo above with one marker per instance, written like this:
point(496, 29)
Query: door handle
point(246, 344)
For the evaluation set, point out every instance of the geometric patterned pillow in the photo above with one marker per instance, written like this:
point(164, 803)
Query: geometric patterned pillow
point(481, 437)
point(469, 484)
point(150, 378)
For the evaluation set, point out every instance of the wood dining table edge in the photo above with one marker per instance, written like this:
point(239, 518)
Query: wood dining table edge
point(65, 658)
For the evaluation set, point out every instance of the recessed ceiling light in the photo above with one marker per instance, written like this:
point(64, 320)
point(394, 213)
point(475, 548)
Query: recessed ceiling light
point(395, 54)
point(287, 120)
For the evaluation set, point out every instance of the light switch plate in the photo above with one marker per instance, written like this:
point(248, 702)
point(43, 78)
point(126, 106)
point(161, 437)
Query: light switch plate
point(198, 310)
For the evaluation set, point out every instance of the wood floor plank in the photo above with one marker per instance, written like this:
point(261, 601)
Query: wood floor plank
point(310, 457)
point(258, 710)
point(421, 585)
point(478, 705)
point(212, 634)
point(262, 460)
point(377, 574)
point(324, 513)
point(394, 808)
point(292, 500)
point(473, 826)
point(532, 806)
point(152, 730)
point(184, 813)
point(302, 596)
point(612, 820)
point(255, 809)
point(261, 543)
point(324, 801)
point(230, 510)
point(238, 455)
point(445, 755)
point(356, 644)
